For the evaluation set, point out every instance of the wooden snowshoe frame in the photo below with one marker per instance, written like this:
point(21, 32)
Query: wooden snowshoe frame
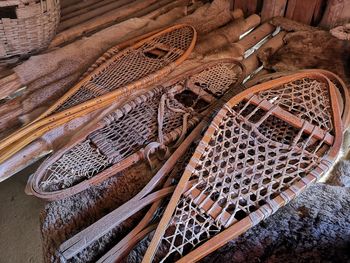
point(78, 242)
point(74, 103)
point(278, 148)
point(342, 90)
point(147, 196)
point(121, 138)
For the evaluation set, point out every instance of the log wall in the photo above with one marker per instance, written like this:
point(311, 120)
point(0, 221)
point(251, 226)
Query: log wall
point(323, 13)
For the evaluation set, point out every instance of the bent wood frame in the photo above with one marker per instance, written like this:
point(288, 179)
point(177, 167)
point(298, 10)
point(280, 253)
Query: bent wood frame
point(87, 236)
point(11, 83)
point(266, 210)
point(46, 122)
point(342, 90)
point(143, 228)
point(72, 246)
point(33, 183)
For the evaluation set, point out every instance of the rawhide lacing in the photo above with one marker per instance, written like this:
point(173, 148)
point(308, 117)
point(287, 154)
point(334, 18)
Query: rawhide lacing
point(268, 144)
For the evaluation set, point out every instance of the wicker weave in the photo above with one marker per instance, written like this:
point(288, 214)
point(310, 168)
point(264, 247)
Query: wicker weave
point(260, 151)
point(152, 120)
point(33, 28)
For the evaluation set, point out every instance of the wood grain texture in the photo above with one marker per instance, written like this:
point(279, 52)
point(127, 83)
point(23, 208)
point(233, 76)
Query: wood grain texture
point(249, 7)
point(337, 12)
point(272, 8)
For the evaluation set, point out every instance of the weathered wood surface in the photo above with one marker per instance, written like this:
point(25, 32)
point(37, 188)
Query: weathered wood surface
point(82, 7)
point(337, 12)
point(249, 7)
point(272, 8)
point(301, 11)
point(101, 22)
point(87, 14)
point(326, 14)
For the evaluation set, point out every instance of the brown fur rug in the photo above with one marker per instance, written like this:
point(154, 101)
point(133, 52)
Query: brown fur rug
point(311, 49)
point(64, 218)
point(315, 227)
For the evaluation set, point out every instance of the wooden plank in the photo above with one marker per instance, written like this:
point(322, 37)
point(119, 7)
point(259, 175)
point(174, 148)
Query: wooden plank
point(318, 12)
point(301, 11)
point(290, 8)
point(304, 11)
point(116, 5)
point(272, 8)
point(337, 12)
point(83, 4)
point(248, 7)
point(65, 3)
point(82, 8)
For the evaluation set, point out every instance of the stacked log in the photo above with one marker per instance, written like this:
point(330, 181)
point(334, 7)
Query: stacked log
point(326, 14)
point(227, 34)
point(136, 8)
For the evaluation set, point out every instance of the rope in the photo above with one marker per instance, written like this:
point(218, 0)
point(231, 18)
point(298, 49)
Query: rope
point(187, 112)
point(160, 145)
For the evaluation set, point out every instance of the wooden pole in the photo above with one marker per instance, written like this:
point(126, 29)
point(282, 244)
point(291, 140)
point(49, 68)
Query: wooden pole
point(227, 34)
point(66, 3)
point(69, 11)
point(88, 14)
point(113, 16)
point(273, 8)
point(9, 84)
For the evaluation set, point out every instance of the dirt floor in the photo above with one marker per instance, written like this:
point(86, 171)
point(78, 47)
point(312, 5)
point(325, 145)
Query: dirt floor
point(20, 240)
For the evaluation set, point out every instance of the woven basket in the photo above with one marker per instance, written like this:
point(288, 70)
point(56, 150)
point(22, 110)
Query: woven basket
point(26, 26)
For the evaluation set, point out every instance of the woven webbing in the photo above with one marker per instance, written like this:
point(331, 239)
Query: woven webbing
point(81, 162)
point(136, 125)
point(133, 65)
point(124, 136)
point(305, 98)
point(126, 131)
point(187, 231)
point(216, 81)
point(250, 158)
point(174, 178)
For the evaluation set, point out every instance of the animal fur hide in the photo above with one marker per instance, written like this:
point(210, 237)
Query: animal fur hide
point(308, 49)
point(315, 227)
